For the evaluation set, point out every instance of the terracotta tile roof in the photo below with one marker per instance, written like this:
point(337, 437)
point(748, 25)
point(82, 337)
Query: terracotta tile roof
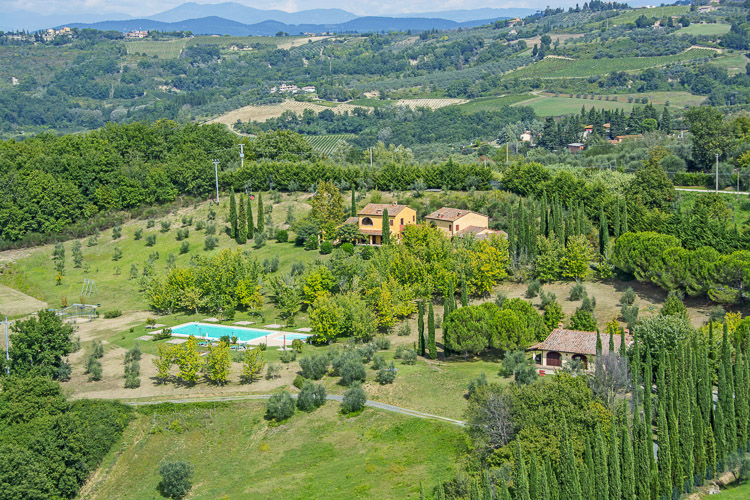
point(374, 232)
point(576, 342)
point(352, 220)
point(377, 209)
point(480, 233)
point(450, 214)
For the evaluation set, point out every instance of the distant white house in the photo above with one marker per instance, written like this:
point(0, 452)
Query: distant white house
point(137, 34)
point(292, 89)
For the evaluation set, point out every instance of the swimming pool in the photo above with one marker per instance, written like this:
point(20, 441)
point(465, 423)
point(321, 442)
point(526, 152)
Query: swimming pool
point(203, 330)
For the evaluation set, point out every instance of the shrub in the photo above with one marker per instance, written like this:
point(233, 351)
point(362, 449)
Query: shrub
point(583, 320)
point(403, 329)
point(578, 291)
point(138, 234)
point(271, 264)
point(187, 221)
point(210, 229)
point(387, 374)
point(98, 349)
point(116, 232)
point(352, 371)
point(184, 247)
point(348, 248)
point(366, 253)
point(63, 372)
point(200, 225)
point(399, 352)
point(288, 356)
point(209, 243)
point(165, 225)
point(367, 351)
point(409, 357)
point(500, 299)
point(628, 297)
point(533, 289)
point(298, 268)
point(94, 368)
point(280, 407)
point(262, 346)
point(297, 345)
point(311, 396)
point(629, 314)
point(175, 479)
point(383, 343)
point(132, 381)
point(588, 303)
point(378, 362)
point(314, 367)
point(260, 239)
point(354, 399)
point(326, 248)
point(299, 381)
point(547, 298)
point(150, 240)
point(112, 313)
point(477, 383)
point(311, 243)
point(282, 236)
point(272, 372)
point(133, 354)
point(716, 315)
point(150, 223)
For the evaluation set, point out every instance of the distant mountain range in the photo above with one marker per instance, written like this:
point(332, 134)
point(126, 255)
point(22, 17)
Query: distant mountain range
point(231, 18)
point(213, 25)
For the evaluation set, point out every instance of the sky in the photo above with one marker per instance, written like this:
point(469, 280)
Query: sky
point(140, 8)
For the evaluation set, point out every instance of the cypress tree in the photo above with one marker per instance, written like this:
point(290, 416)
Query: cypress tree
point(431, 332)
point(440, 494)
point(741, 400)
point(611, 339)
point(533, 477)
point(543, 492)
point(570, 486)
point(674, 437)
point(474, 491)
point(616, 220)
point(250, 221)
point(730, 422)
point(603, 232)
point(615, 472)
point(647, 387)
point(699, 442)
point(232, 215)
point(624, 226)
point(504, 493)
point(686, 433)
point(241, 224)
point(543, 229)
point(420, 328)
point(665, 456)
point(261, 224)
point(628, 464)
point(587, 471)
point(601, 473)
point(486, 486)
point(623, 343)
point(642, 447)
point(447, 309)
point(720, 437)
point(520, 476)
point(386, 231)
point(354, 203)
point(598, 345)
point(553, 486)
point(464, 293)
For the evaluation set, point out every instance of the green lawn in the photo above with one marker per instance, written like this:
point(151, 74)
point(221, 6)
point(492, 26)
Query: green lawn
point(703, 29)
point(494, 103)
point(167, 49)
point(556, 106)
point(236, 454)
point(115, 289)
point(737, 493)
point(582, 68)
point(657, 12)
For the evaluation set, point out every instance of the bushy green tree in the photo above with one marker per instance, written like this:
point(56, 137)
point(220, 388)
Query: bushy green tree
point(176, 479)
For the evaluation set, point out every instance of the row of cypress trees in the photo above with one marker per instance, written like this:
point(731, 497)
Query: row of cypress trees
point(676, 431)
point(241, 226)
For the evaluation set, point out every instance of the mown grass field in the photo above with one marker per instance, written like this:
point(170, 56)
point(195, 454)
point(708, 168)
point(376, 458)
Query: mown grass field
point(329, 143)
point(581, 68)
point(167, 49)
point(736, 493)
point(657, 12)
point(703, 29)
point(495, 103)
point(556, 106)
point(236, 454)
point(16, 303)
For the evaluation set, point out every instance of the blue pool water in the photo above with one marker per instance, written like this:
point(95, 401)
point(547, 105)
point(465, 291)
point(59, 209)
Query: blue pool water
point(217, 331)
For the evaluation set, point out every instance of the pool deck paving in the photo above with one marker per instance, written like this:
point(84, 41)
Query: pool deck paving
point(273, 325)
point(303, 330)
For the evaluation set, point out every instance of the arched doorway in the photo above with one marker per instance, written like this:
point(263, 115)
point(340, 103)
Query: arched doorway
point(554, 359)
point(583, 360)
point(366, 221)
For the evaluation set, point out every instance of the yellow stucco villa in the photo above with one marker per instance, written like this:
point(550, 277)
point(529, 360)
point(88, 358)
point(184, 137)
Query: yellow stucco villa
point(369, 220)
point(458, 222)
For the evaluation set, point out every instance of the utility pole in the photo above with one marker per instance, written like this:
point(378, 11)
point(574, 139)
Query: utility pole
point(507, 159)
point(7, 355)
point(216, 176)
point(242, 155)
point(370, 157)
point(717, 173)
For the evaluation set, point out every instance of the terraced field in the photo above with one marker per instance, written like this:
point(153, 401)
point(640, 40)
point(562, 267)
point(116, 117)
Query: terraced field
point(168, 49)
point(583, 68)
point(263, 113)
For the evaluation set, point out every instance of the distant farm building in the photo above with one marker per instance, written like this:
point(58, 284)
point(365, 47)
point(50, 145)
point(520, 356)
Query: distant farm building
point(566, 346)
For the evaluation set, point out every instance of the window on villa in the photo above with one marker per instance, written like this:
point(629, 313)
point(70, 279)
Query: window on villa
point(391, 221)
point(456, 227)
point(367, 221)
point(402, 221)
point(450, 227)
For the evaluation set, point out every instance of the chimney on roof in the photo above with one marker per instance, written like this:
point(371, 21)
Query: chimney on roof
point(627, 331)
point(394, 203)
point(560, 325)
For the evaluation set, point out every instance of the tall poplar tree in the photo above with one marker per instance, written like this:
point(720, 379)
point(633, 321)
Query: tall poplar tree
point(232, 215)
point(250, 222)
point(520, 476)
point(615, 471)
point(261, 224)
point(601, 473)
point(386, 230)
point(431, 332)
point(665, 456)
point(570, 486)
point(354, 202)
point(420, 329)
point(241, 235)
